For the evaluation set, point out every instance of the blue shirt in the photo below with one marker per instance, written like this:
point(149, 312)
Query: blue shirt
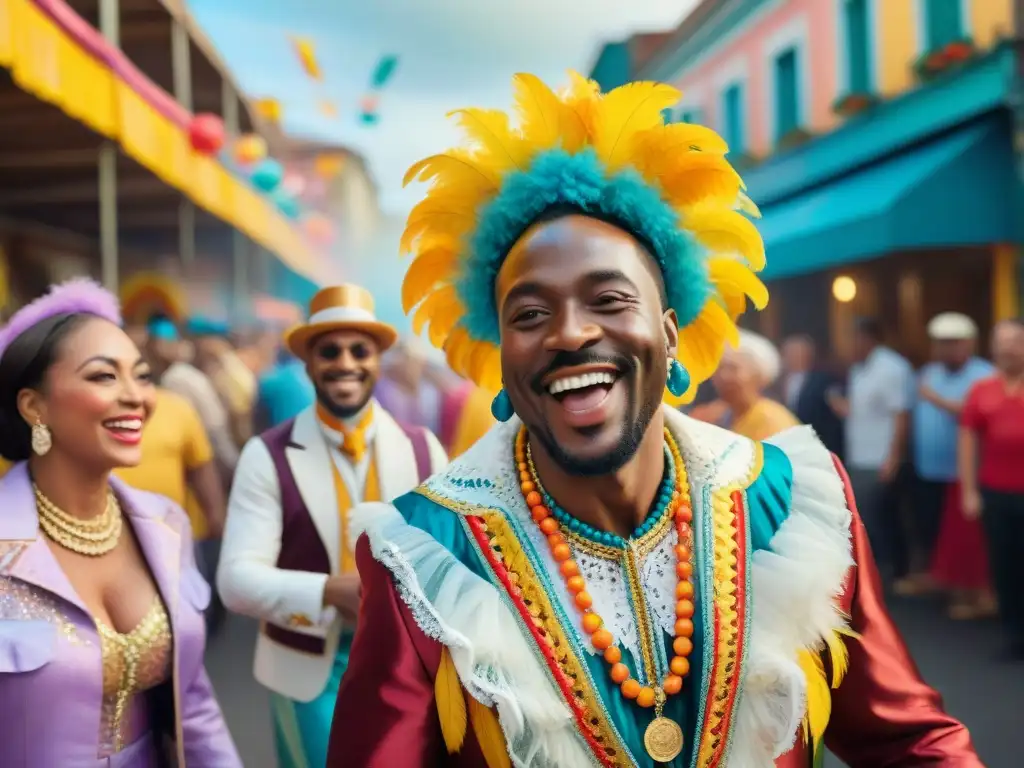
point(285, 391)
point(879, 391)
point(935, 429)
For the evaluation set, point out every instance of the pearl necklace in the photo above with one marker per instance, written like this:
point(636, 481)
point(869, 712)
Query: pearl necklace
point(663, 737)
point(92, 538)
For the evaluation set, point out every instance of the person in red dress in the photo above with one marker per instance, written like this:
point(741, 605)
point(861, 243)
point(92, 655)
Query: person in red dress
point(991, 464)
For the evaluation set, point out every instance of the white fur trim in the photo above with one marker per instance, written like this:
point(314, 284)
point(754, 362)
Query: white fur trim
point(795, 586)
point(495, 662)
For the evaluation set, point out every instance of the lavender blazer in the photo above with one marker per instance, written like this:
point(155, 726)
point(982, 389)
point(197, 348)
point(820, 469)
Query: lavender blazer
point(51, 672)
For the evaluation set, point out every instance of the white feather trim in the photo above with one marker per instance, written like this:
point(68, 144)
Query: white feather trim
point(496, 664)
point(795, 587)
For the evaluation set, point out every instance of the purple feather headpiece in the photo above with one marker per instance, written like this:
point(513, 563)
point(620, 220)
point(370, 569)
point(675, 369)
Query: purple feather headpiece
point(77, 296)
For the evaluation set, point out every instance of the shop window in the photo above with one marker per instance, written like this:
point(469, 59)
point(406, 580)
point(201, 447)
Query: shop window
point(732, 118)
point(787, 92)
point(943, 22)
point(858, 46)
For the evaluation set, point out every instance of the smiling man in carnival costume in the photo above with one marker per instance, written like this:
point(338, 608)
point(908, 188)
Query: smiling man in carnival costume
point(601, 580)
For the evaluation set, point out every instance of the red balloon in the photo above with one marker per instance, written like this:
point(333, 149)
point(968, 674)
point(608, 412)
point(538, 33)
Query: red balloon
point(206, 134)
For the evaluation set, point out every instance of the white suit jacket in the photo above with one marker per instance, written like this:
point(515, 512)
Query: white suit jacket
point(248, 578)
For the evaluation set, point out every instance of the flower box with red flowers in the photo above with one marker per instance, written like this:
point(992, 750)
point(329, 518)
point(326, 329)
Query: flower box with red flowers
point(935, 62)
point(853, 103)
point(959, 51)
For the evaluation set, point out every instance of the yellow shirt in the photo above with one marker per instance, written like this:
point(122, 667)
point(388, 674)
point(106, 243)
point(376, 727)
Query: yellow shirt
point(474, 422)
point(765, 419)
point(173, 443)
point(4, 466)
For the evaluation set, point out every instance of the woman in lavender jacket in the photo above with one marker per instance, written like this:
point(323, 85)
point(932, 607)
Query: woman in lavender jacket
point(101, 626)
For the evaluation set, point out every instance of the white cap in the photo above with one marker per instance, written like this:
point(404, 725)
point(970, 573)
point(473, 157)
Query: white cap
point(952, 326)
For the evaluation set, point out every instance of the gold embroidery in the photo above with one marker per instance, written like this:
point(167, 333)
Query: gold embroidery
point(506, 546)
point(132, 663)
point(643, 620)
point(725, 523)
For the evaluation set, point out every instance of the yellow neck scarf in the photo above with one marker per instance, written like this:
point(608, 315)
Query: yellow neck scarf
point(353, 438)
point(354, 446)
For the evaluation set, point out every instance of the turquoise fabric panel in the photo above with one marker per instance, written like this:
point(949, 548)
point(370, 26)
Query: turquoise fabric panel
point(302, 729)
point(768, 497)
point(858, 46)
point(787, 92)
point(444, 525)
point(958, 190)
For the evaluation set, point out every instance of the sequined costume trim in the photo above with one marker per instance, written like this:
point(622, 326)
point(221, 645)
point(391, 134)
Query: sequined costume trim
point(20, 601)
point(133, 662)
point(499, 546)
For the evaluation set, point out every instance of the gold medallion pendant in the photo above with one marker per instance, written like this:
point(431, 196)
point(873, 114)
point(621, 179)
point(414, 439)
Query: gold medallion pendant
point(663, 739)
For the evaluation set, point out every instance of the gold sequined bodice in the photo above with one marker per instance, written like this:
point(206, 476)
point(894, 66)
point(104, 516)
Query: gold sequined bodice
point(134, 662)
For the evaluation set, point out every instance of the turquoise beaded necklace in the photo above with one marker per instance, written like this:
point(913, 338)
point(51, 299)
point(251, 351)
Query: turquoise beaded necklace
point(606, 538)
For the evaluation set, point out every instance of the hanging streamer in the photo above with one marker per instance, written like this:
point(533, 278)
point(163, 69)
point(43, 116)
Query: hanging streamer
point(305, 49)
point(383, 72)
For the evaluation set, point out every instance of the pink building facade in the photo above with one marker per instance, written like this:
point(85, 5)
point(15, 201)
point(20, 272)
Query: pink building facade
point(746, 58)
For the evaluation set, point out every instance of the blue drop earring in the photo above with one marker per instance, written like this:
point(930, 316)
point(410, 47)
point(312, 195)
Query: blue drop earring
point(501, 407)
point(678, 378)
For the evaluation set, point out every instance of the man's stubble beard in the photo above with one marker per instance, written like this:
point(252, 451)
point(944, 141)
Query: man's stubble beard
point(627, 447)
point(338, 411)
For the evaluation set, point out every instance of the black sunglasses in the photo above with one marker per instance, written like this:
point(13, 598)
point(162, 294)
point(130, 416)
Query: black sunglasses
point(331, 351)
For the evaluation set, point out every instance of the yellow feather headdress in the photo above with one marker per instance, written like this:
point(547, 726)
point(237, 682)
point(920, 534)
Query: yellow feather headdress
point(608, 155)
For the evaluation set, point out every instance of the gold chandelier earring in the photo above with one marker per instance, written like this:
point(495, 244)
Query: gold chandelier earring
point(42, 439)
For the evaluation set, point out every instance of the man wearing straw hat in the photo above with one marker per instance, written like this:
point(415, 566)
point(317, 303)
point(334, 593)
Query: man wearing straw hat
point(286, 558)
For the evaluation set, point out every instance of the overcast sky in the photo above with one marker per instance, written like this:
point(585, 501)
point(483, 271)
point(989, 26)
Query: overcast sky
point(452, 53)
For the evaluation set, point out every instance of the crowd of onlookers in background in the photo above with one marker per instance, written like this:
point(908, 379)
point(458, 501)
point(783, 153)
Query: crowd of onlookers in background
point(935, 456)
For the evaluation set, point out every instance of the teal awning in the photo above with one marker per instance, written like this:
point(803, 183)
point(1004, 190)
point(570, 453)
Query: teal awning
point(955, 191)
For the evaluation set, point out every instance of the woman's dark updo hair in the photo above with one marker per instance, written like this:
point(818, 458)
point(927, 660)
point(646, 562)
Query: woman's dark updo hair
point(23, 366)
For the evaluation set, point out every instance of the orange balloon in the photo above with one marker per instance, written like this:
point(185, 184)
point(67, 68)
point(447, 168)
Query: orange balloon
point(250, 149)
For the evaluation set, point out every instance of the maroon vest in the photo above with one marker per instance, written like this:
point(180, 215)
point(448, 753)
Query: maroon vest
point(301, 546)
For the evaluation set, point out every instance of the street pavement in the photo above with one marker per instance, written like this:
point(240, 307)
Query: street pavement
point(960, 659)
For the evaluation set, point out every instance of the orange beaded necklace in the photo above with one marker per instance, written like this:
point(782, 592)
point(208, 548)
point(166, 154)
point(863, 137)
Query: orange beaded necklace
point(662, 734)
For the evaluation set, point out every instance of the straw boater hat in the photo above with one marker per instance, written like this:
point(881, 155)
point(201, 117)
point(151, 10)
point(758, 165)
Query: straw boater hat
point(952, 326)
point(340, 307)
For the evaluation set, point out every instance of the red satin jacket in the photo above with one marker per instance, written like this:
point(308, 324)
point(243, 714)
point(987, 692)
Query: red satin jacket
point(883, 714)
